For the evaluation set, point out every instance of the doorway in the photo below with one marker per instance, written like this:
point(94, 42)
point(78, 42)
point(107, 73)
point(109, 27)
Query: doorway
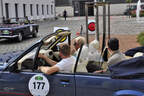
point(7, 10)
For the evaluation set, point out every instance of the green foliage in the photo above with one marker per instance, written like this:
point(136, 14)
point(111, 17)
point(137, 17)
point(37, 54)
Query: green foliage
point(140, 38)
point(133, 15)
point(142, 14)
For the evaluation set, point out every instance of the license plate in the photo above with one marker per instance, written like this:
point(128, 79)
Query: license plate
point(6, 32)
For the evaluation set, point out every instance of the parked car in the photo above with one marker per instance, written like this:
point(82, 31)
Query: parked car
point(18, 28)
point(131, 10)
point(20, 77)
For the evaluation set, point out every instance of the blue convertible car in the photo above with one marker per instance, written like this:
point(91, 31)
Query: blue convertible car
point(19, 76)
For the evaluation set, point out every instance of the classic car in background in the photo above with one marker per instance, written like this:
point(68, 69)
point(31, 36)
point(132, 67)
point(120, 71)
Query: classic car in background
point(20, 77)
point(18, 28)
point(131, 10)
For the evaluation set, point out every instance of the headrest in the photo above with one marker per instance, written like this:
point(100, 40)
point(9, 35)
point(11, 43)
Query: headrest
point(94, 44)
point(138, 54)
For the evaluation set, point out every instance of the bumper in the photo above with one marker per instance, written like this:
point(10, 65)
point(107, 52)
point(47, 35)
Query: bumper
point(13, 36)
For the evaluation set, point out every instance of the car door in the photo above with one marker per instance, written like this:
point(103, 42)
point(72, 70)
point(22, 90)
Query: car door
point(95, 85)
point(89, 84)
point(17, 84)
point(28, 29)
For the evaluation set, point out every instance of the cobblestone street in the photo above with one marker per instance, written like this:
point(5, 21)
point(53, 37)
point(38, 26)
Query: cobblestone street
point(120, 25)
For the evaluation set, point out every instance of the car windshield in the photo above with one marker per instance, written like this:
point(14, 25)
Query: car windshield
point(134, 7)
point(17, 20)
point(48, 42)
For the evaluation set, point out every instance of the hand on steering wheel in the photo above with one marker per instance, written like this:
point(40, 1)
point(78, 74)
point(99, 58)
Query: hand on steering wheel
point(42, 60)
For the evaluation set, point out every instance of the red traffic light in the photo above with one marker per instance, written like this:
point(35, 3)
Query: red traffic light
point(91, 26)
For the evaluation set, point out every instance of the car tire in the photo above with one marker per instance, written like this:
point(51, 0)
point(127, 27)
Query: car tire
point(20, 37)
point(34, 34)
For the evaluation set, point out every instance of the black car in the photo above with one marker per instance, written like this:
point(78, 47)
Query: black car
point(18, 28)
point(129, 9)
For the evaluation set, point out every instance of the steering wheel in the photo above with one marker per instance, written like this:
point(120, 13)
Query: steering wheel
point(42, 62)
point(49, 54)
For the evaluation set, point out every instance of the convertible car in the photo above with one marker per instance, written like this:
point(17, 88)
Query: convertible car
point(19, 75)
point(18, 28)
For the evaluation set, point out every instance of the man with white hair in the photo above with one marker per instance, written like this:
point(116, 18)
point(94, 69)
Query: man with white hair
point(83, 60)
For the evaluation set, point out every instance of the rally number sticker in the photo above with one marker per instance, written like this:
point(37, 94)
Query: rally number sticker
point(38, 85)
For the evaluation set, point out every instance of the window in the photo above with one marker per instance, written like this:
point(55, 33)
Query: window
point(42, 9)
point(7, 10)
point(24, 9)
point(26, 63)
point(16, 10)
point(31, 9)
point(51, 9)
point(47, 9)
point(37, 7)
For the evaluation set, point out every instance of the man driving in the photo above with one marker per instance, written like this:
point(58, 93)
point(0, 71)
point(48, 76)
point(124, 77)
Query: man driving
point(65, 65)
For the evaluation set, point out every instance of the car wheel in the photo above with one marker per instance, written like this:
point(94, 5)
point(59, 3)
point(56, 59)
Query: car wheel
point(20, 37)
point(34, 34)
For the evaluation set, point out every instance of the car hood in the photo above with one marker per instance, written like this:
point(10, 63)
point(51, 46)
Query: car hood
point(6, 58)
point(8, 25)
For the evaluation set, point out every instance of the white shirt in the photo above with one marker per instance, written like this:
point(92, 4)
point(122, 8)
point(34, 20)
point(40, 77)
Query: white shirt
point(65, 65)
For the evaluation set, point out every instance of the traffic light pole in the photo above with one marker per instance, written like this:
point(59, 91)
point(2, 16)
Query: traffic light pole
point(97, 4)
point(86, 14)
point(104, 27)
point(108, 21)
point(97, 23)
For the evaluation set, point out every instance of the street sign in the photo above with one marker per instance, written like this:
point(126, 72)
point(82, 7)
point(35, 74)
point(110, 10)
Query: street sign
point(91, 27)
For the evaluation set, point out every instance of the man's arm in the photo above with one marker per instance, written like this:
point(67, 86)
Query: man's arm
point(49, 61)
point(49, 70)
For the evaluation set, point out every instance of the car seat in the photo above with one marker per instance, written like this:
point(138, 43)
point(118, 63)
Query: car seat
point(94, 57)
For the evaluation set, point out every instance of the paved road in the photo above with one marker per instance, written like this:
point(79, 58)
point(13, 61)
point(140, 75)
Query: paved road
point(119, 25)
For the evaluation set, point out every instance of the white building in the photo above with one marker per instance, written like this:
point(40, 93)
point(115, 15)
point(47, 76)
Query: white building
point(34, 9)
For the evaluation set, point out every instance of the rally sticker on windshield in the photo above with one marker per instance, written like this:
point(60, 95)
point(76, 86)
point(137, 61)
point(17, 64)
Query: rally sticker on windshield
point(38, 85)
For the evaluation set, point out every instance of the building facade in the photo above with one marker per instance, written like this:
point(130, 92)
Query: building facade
point(34, 9)
point(63, 2)
point(62, 5)
point(117, 7)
